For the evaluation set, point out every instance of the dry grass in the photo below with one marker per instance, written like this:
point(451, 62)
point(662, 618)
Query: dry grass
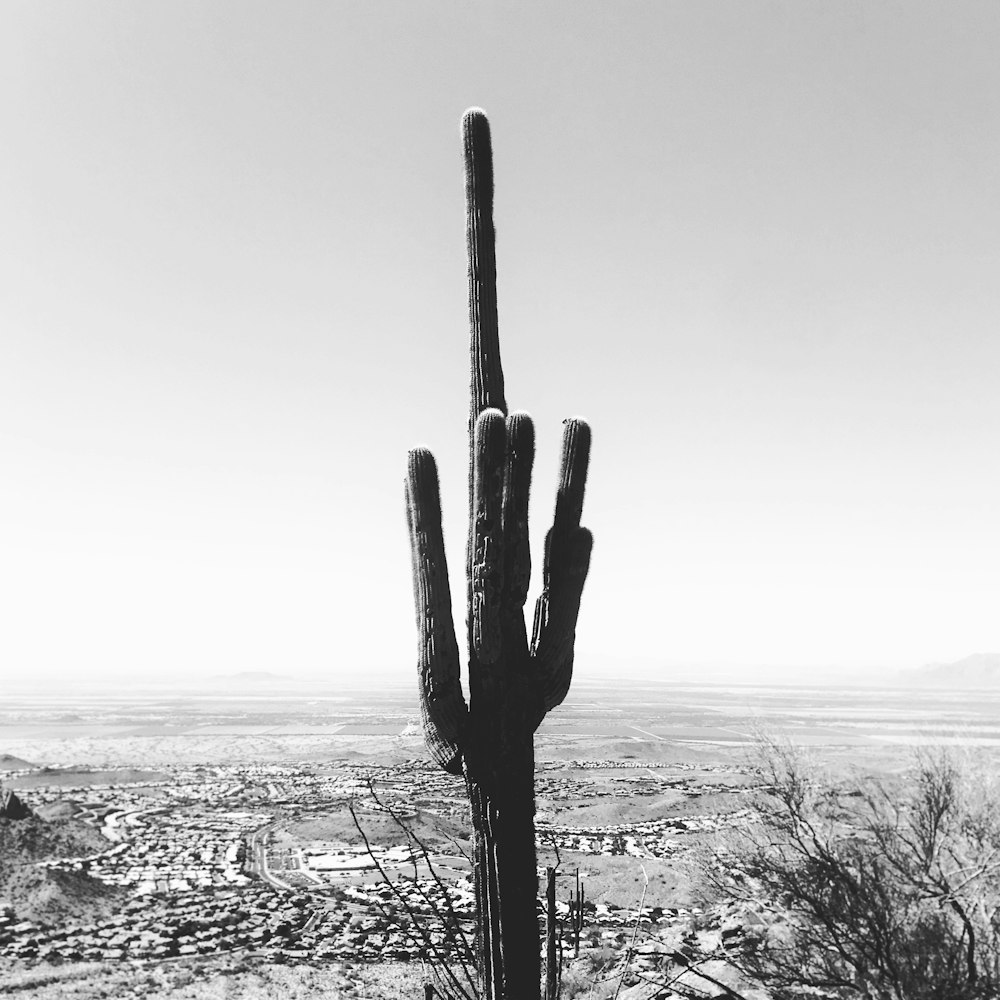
point(336, 825)
point(232, 977)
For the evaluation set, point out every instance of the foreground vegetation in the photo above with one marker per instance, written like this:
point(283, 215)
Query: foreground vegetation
point(880, 887)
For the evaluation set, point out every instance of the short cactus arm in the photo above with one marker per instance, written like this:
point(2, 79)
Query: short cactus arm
point(486, 538)
point(516, 489)
point(567, 560)
point(442, 705)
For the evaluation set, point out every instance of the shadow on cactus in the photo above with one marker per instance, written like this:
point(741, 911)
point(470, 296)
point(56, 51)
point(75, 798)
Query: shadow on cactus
point(512, 682)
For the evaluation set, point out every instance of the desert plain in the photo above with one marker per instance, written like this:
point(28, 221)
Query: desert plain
point(254, 835)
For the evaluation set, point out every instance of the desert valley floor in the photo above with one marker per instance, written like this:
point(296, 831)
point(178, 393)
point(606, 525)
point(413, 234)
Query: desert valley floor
point(210, 842)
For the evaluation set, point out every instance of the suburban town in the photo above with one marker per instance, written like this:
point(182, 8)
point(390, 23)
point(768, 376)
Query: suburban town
point(204, 864)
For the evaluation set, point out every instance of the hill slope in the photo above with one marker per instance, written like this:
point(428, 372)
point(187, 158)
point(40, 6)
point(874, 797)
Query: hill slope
point(41, 894)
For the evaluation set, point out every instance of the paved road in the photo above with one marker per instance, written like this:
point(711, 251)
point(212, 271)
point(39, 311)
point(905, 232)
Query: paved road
point(257, 857)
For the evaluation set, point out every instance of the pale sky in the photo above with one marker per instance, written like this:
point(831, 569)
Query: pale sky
point(754, 243)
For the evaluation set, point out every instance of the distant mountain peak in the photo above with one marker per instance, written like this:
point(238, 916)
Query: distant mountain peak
point(250, 675)
point(980, 670)
point(8, 762)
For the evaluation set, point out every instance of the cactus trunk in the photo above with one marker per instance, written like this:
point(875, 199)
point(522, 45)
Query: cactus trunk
point(511, 683)
point(503, 822)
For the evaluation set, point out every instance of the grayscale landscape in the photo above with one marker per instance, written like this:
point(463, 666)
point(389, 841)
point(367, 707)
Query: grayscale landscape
point(186, 843)
point(588, 594)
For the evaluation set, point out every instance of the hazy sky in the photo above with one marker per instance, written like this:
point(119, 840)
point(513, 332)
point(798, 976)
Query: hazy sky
point(754, 243)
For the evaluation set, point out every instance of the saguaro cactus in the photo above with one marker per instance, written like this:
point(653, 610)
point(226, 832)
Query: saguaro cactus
point(512, 682)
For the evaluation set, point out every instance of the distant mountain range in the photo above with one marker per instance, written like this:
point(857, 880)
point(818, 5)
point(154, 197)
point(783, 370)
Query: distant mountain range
point(250, 675)
point(981, 670)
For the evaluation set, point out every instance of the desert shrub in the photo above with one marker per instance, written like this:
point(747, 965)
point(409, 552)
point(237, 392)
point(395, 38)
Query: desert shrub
point(880, 889)
point(575, 983)
point(599, 956)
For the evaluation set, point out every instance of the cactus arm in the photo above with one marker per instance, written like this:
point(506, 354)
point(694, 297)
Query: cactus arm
point(573, 467)
point(516, 489)
point(487, 389)
point(486, 575)
point(556, 613)
point(442, 705)
point(567, 560)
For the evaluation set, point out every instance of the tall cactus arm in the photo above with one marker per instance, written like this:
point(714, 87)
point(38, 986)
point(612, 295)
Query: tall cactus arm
point(567, 560)
point(486, 388)
point(442, 705)
point(487, 374)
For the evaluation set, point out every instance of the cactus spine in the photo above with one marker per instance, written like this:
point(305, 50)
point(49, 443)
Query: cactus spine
point(512, 682)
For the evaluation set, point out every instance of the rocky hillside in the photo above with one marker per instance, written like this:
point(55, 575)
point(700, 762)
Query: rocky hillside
point(11, 807)
point(38, 894)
